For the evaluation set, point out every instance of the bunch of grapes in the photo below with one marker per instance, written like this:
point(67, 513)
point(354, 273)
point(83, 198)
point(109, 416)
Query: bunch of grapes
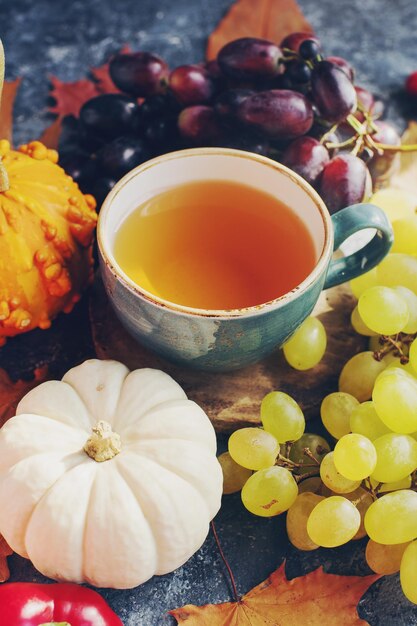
point(288, 102)
point(366, 484)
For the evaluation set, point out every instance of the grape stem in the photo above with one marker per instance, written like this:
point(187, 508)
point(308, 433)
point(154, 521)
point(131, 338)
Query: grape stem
point(299, 479)
point(225, 561)
point(368, 487)
point(311, 456)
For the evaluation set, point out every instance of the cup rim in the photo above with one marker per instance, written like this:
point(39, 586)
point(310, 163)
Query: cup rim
point(111, 263)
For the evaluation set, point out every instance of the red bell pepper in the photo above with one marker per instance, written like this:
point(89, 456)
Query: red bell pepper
point(60, 604)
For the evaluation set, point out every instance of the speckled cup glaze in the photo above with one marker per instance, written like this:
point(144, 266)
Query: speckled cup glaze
point(225, 340)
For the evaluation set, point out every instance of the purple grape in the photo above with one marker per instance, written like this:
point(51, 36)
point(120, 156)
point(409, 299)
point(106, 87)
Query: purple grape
point(140, 74)
point(298, 72)
point(344, 65)
point(294, 40)
point(162, 133)
point(227, 103)
point(199, 125)
point(332, 91)
point(380, 165)
point(109, 115)
point(122, 155)
point(345, 180)
point(309, 49)
point(192, 84)
point(307, 157)
point(277, 113)
point(73, 164)
point(365, 100)
point(249, 58)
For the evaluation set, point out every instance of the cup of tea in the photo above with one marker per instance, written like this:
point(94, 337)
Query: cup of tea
point(213, 257)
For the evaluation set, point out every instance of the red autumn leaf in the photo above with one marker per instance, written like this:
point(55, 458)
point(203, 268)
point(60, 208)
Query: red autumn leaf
point(271, 19)
point(5, 551)
point(12, 392)
point(69, 97)
point(316, 598)
point(6, 108)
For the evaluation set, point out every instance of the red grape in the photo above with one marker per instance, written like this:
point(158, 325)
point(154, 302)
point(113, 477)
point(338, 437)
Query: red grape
point(250, 58)
point(278, 113)
point(366, 102)
point(199, 125)
point(344, 65)
point(192, 84)
point(109, 115)
point(292, 42)
point(333, 92)
point(411, 85)
point(345, 180)
point(141, 74)
point(380, 165)
point(307, 157)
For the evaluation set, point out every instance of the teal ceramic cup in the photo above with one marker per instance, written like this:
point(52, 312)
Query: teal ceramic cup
point(222, 340)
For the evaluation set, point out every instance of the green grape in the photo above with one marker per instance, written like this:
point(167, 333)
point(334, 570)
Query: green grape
point(362, 499)
point(404, 483)
point(307, 346)
point(374, 343)
point(335, 412)
point(395, 400)
point(393, 361)
point(355, 456)
point(383, 310)
point(334, 479)
point(392, 518)
point(269, 492)
point(312, 484)
point(359, 374)
point(297, 517)
point(317, 445)
point(234, 475)
point(359, 325)
point(397, 203)
point(253, 448)
point(412, 355)
point(364, 421)
point(363, 282)
point(398, 269)
point(333, 522)
point(411, 299)
point(405, 235)
point(282, 416)
point(383, 559)
point(396, 457)
point(408, 572)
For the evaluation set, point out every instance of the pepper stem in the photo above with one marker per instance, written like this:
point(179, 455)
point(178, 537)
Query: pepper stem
point(104, 444)
point(4, 179)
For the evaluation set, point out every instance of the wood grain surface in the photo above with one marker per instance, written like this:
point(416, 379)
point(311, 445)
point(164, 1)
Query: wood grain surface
point(232, 399)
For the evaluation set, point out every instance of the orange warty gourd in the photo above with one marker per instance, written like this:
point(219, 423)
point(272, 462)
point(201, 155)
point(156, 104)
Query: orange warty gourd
point(46, 234)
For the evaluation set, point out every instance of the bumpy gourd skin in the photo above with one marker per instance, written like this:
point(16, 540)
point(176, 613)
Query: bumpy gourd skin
point(46, 234)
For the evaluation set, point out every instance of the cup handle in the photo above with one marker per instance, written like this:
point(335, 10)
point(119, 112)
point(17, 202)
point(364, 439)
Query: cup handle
point(349, 221)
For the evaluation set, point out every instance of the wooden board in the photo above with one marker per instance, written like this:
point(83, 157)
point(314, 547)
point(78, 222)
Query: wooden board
point(232, 399)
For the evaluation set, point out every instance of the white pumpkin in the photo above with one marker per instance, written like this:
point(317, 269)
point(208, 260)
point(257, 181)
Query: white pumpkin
point(144, 510)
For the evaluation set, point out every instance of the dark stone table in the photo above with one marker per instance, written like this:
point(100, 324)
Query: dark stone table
point(58, 37)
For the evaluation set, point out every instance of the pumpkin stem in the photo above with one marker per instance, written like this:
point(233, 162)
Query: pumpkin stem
point(103, 444)
point(4, 179)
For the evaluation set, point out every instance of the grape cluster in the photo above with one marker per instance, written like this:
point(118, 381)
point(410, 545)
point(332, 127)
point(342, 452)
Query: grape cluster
point(288, 102)
point(365, 483)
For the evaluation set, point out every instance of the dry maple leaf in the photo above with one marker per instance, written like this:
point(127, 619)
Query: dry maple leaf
point(310, 600)
point(12, 392)
point(268, 19)
point(5, 551)
point(6, 108)
point(69, 97)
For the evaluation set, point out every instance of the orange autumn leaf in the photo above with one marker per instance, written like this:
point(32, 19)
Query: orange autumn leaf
point(5, 551)
point(70, 96)
point(6, 108)
point(267, 19)
point(12, 392)
point(316, 598)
